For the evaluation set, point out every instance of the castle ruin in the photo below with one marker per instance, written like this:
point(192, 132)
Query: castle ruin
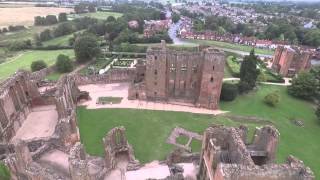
point(290, 61)
point(181, 76)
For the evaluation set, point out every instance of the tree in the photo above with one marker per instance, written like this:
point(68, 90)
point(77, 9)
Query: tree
point(39, 21)
point(272, 99)
point(45, 35)
point(229, 92)
point(312, 38)
point(38, 65)
point(51, 19)
point(303, 86)
point(111, 19)
point(248, 72)
point(91, 8)
point(64, 64)
point(64, 29)
point(175, 17)
point(63, 17)
point(86, 47)
point(80, 8)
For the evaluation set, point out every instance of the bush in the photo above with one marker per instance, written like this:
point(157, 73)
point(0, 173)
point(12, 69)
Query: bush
point(234, 66)
point(272, 99)
point(318, 112)
point(19, 45)
point(303, 86)
point(64, 64)
point(62, 17)
point(229, 92)
point(4, 172)
point(38, 65)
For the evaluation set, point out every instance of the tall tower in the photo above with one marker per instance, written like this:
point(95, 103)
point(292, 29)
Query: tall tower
point(156, 73)
point(211, 79)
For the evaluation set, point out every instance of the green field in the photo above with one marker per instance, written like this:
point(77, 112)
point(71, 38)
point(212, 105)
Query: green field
point(24, 60)
point(226, 45)
point(60, 41)
point(153, 127)
point(97, 15)
point(146, 130)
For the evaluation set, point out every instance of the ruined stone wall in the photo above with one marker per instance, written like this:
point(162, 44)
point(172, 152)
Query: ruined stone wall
point(212, 77)
point(16, 94)
point(224, 156)
point(78, 164)
point(194, 77)
point(111, 76)
point(288, 62)
point(41, 74)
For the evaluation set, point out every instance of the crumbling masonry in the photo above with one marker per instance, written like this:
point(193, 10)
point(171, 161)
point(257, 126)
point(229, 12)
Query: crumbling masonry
point(226, 156)
point(289, 61)
point(189, 77)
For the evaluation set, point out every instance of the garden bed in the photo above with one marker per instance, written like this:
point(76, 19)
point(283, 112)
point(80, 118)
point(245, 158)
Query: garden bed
point(109, 100)
point(123, 63)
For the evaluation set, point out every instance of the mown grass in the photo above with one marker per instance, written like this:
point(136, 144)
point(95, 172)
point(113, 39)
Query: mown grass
point(232, 46)
point(97, 15)
point(59, 41)
point(301, 142)
point(146, 130)
point(24, 60)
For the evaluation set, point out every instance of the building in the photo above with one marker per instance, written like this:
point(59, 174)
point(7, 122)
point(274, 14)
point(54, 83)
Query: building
point(191, 77)
point(225, 155)
point(288, 61)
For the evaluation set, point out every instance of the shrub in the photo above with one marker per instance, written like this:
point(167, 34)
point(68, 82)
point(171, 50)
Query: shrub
point(303, 86)
point(272, 99)
point(64, 64)
point(229, 92)
point(4, 172)
point(19, 45)
point(318, 112)
point(62, 17)
point(38, 65)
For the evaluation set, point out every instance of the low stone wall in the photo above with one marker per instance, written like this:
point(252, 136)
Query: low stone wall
point(112, 76)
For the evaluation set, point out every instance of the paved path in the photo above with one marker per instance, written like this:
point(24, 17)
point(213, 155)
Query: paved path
point(286, 83)
point(121, 90)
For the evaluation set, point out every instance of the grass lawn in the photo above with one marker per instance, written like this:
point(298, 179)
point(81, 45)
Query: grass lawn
point(54, 76)
point(183, 140)
point(60, 41)
point(232, 46)
point(302, 142)
point(227, 73)
point(146, 130)
point(233, 66)
point(97, 15)
point(24, 60)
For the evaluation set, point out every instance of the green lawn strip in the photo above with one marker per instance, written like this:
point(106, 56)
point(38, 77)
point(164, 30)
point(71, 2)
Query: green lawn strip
point(233, 66)
point(146, 130)
point(231, 46)
point(227, 73)
point(301, 142)
point(97, 15)
point(24, 60)
point(59, 41)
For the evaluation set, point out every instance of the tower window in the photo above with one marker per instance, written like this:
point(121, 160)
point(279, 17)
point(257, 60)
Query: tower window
point(213, 68)
point(211, 79)
point(155, 72)
point(155, 93)
point(155, 83)
point(155, 57)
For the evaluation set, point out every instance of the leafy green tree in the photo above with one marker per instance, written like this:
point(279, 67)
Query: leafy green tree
point(312, 38)
point(45, 35)
point(86, 47)
point(64, 29)
point(272, 99)
point(64, 64)
point(62, 17)
point(51, 19)
point(248, 72)
point(229, 92)
point(303, 86)
point(38, 65)
point(175, 17)
point(111, 19)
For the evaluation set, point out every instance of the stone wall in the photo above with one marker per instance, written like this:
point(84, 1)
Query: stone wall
point(111, 76)
point(225, 156)
point(192, 77)
point(16, 95)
